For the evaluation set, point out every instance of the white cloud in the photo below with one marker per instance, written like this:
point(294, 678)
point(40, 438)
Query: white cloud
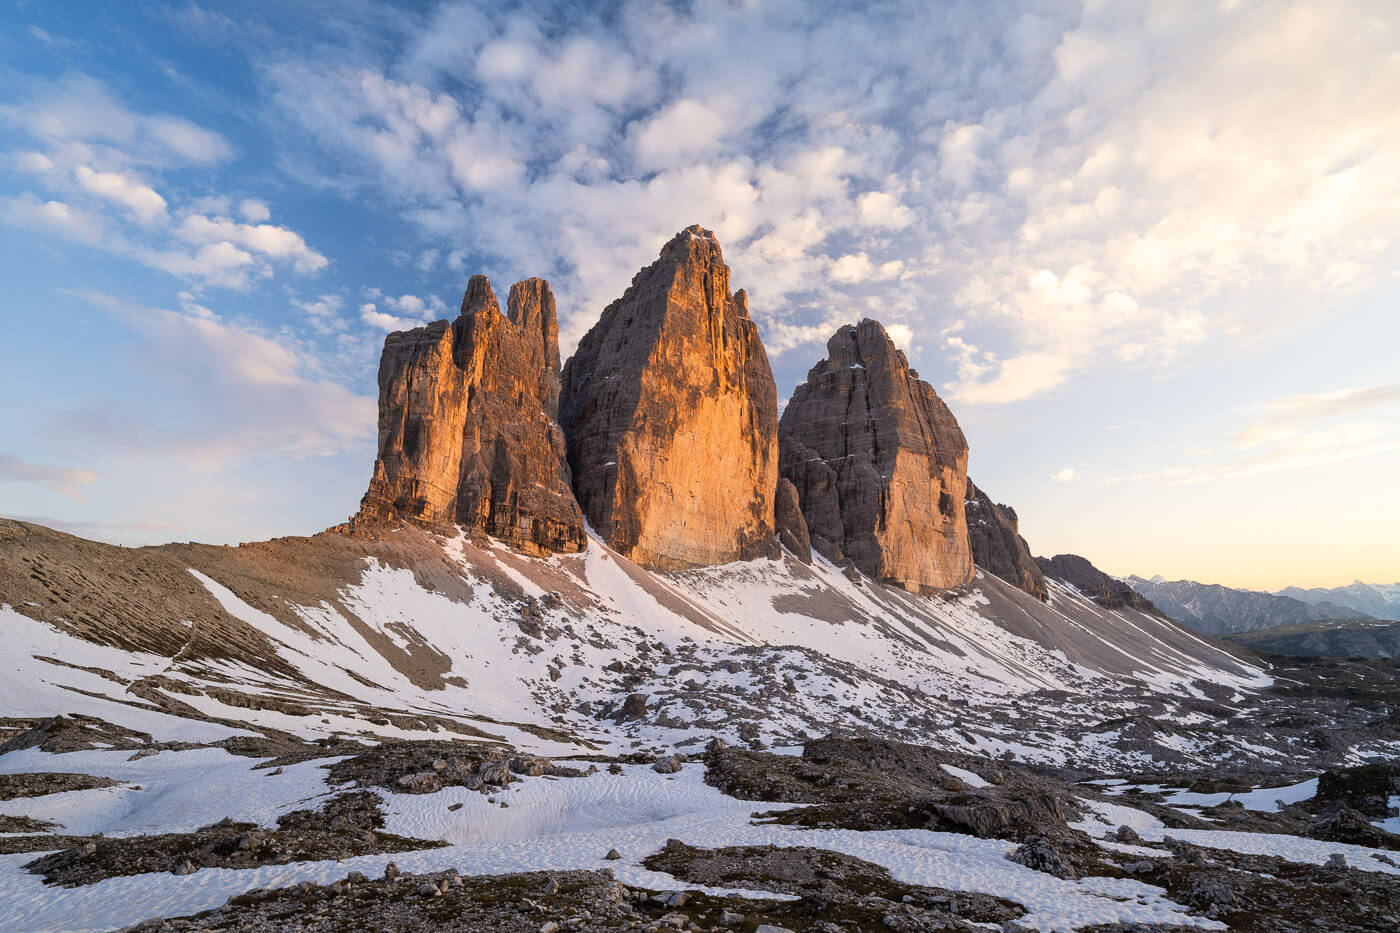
point(28, 212)
point(64, 480)
point(1286, 417)
point(99, 156)
point(902, 335)
point(854, 267)
point(1023, 376)
point(1066, 475)
point(145, 204)
point(1297, 431)
point(1085, 188)
point(254, 211)
point(34, 162)
point(81, 109)
point(269, 240)
point(411, 305)
point(384, 321)
point(323, 311)
point(681, 134)
point(239, 393)
point(883, 210)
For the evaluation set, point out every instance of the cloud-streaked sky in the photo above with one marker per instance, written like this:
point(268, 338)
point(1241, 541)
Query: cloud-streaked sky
point(1147, 251)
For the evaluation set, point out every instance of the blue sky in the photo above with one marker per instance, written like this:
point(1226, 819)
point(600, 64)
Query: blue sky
point(1146, 251)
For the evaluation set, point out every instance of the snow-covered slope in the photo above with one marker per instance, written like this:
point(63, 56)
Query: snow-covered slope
point(412, 635)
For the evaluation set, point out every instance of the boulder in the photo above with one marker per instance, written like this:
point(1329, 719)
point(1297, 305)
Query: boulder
point(467, 432)
point(997, 545)
point(879, 464)
point(670, 410)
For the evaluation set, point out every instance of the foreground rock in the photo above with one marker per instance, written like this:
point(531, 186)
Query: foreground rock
point(467, 432)
point(855, 896)
point(879, 463)
point(997, 545)
point(847, 884)
point(347, 825)
point(871, 784)
point(671, 414)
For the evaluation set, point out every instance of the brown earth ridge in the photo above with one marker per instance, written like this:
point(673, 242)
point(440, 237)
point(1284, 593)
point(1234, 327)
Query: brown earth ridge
point(662, 432)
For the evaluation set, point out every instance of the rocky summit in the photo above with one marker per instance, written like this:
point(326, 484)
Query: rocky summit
point(467, 430)
point(670, 410)
point(997, 546)
point(879, 463)
point(1109, 592)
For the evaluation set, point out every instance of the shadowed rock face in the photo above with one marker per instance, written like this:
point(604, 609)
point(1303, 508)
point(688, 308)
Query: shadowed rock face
point(671, 415)
point(789, 522)
point(467, 432)
point(997, 545)
point(879, 463)
point(1109, 592)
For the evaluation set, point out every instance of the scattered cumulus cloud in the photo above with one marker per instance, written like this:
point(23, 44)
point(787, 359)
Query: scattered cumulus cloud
point(1074, 206)
point(1066, 475)
point(254, 211)
point(99, 173)
point(140, 199)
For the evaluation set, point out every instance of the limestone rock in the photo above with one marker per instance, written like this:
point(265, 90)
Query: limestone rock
point(1109, 592)
point(670, 410)
point(789, 522)
point(879, 463)
point(997, 545)
point(467, 432)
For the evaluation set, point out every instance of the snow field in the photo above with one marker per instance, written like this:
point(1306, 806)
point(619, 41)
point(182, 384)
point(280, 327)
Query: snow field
point(1107, 817)
point(549, 825)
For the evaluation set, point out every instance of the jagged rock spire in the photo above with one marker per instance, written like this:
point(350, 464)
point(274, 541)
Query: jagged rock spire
point(670, 410)
point(467, 432)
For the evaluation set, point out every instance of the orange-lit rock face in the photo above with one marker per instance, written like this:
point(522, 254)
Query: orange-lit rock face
point(880, 465)
point(671, 414)
point(467, 432)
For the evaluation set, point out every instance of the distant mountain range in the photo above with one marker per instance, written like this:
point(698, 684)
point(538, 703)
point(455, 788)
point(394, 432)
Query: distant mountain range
point(1221, 610)
point(1380, 600)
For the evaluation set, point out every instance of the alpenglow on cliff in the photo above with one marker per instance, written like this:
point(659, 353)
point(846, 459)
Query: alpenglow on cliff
point(662, 434)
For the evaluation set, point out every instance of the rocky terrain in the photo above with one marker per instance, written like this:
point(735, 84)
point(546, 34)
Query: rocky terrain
point(1223, 610)
point(845, 833)
point(612, 647)
point(1337, 638)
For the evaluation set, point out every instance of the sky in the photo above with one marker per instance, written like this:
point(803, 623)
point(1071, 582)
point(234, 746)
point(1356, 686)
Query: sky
point(1146, 251)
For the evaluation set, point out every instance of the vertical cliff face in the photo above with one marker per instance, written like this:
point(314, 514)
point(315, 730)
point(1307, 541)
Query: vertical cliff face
point(467, 432)
point(670, 410)
point(997, 545)
point(879, 464)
